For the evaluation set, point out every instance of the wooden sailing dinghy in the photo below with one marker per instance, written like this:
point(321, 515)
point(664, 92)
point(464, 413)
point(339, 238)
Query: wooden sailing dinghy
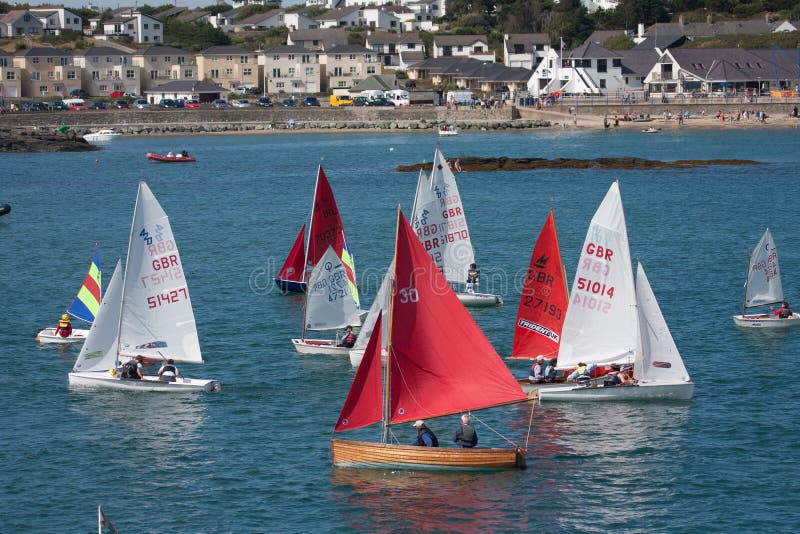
point(438, 363)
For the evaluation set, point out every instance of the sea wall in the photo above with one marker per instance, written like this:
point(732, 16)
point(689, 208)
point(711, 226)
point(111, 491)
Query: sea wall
point(657, 109)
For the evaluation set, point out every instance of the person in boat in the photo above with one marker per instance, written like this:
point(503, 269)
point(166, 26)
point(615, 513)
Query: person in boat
point(537, 370)
point(550, 370)
point(132, 369)
point(582, 374)
point(466, 437)
point(784, 312)
point(349, 339)
point(64, 328)
point(184, 154)
point(473, 278)
point(170, 154)
point(168, 371)
point(425, 437)
point(457, 165)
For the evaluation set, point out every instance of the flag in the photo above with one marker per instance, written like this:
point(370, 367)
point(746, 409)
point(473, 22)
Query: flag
point(103, 521)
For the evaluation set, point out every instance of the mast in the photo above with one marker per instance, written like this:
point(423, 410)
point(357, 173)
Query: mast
point(125, 273)
point(387, 396)
point(310, 227)
point(746, 281)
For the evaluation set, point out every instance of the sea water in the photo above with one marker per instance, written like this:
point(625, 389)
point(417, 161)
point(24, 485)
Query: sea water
point(255, 457)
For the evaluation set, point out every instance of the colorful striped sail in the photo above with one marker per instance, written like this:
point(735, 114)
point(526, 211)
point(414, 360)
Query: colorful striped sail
point(87, 301)
point(350, 269)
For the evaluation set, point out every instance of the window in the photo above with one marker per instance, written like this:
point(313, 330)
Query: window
point(103, 88)
point(228, 58)
point(352, 70)
point(214, 73)
point(616, 62)
point(154, 59)
point(602, 65)
point(146, 38)
point(11, 75)
point(146, 26)
point(247, 72)
point(276, 57)
point(342, 83)
point(188, 73)
point(243, 59)
point(130, 27)
point(156, 26)
point(276, 73)
point(352, 57)
point(71, 75)
point(130, 74)
point(337, 57)
point(35, 60)
point(291, 72)
point(337, 71)
point(290, 57)
point(36, 75)
point(305, 58)
point(370, 70)
point(153, 74)
point(279, 85)
point(51, 75)
point(94, 59)
point(167, 59)
point(229, 71)
point(3, 62)
point(602, 83)
point(43, 89)
point(309, 71)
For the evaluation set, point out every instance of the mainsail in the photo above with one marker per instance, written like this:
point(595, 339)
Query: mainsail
point(99, 351)
point(294, 267)
point(329, 300)
point(380, 304)
point(763, 285)
point(86, 303)
point(326, 228)
point(601, 324)
point(543, 303)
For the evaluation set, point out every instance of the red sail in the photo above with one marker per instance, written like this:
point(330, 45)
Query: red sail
point(441, 363)
point(544, 299)
point(364, 404)
point(326, 224)
point(293, 267)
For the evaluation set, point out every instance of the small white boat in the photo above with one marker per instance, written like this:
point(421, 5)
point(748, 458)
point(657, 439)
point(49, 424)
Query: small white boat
point(320, 346)
point(763, 287)
point(106, 134)
point(480, 300)
point(449, 130)
point(48, 335)
point(651, 129)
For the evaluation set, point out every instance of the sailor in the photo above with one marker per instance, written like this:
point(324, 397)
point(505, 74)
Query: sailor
point(425, 437)
point(473, 278)
point(537, 370)
point(64, 328)
point(168, 371)
point(349, 339)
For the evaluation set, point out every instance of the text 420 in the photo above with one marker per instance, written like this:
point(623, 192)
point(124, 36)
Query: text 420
point(168, 297)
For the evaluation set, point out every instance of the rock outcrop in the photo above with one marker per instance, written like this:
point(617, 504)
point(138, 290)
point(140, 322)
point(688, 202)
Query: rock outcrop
point(38, 140)
point(468, 163)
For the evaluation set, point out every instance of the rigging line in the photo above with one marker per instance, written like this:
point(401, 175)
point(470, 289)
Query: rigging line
point(530, 423)
point(481, 421)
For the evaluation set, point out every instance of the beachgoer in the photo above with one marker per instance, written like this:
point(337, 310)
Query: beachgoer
point(466, 437)
point(537, 370)
point(64, 328)
point(349, 339)
point(473, 278)
point(425, 437)
point(457, 165)
point(168, 371)
point(784, 312)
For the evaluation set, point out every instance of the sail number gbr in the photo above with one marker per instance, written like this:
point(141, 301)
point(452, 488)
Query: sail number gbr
point(168, 297)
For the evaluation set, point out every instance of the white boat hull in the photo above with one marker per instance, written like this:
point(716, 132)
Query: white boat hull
point(319, 346)
point(641, 391)
point(356, 355)
point(764, 320)
point(48, 335)
point(102, 135)
point(480, 300)
point(103, 379)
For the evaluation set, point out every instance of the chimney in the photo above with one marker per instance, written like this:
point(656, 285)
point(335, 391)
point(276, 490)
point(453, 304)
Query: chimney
point(680, 20)
point(640, 30)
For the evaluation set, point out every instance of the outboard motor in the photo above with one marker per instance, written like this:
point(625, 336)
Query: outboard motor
point(5, 209)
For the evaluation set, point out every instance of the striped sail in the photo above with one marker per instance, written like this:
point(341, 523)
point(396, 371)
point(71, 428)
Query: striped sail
point(350, 269)
point(86, 303)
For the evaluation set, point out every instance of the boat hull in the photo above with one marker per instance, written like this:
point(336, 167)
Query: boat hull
point(48, 335)
point(319, 346)
point(764, 320)
point(167, 159)
point(290, 286)
point(104, 380)
point(480, 300)
point(360, 454)
point(641, 391)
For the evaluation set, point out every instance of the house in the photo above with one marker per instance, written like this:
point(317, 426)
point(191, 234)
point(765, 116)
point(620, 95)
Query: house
point(195, 15)
point(291, 69)
point(57, 19)
point(20, 22)
point(346, 65)
point(226, 20)
point(378, 82)
point(340, 18)
point(317, 39)
point(186, 90)
point(588, 69)
point(135, 26)
point(787, 26)
point(278, 18)
point(47, 72)
point(699, 30)
point(636, 64)
point(107, 70)
point(10, 77)
point(389, 46)
point(474, 46)
point(524, 50)
point(229, 66)
point(159, 64)
point(601, 36)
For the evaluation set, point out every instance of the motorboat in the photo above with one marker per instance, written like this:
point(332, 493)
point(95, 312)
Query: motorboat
point(181, 157)
point(106, 134)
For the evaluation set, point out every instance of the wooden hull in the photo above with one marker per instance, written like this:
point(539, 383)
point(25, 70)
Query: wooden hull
point(48, 335)
point(641, 391)
point(290, 286)
point(319, 346)
point(480, 300)
point(764, 320)
point(362, 454)
point(104, 380)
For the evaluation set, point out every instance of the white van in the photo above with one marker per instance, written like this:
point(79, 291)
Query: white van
point(74, 102)
point(398, 97)
point(372, 94)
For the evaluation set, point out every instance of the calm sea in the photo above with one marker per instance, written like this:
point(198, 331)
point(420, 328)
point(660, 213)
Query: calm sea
point(255, 457)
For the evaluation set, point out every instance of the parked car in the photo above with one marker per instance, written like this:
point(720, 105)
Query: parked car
point(288, 102)
point(310, 101)
point(241, 103)
point(219, 104)
point(97, 104)
point(336, 101)
point(38, 106)
point(117, 94)
point(191, 104)
point(79, 93)
point(380, 101)
point(57, 105)
point(264, 102)
point(360, 101)
point(75, 106)
point(141, 103)
point(121, 104)
point(168, 103)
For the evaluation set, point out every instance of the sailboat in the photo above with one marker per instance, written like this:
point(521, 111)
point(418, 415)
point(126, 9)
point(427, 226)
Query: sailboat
point(439, 222)
point(325, 229)
point(380, 304)
point(84, 306)
point(331, 303)
point(763, 287)
point(608, 313)
point(438, 363)
point(658, 370)
point(145, 312)
point(543, 302)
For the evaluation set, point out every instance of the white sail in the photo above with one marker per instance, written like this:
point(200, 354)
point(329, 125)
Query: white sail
point(439, 221)
point(763, 275)
point(601, 325)
point(658, 360)
point(329, 301)
point(381, 303)
point(99, 351)
point(157, 317)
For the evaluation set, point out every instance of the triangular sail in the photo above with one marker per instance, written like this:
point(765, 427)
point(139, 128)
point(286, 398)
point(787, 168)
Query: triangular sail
point(763, 275)
point(157, 317)
point(99, 351)
point(329, 301)
point(380, 304)
point(441, 362)
point(326, 228)
point(543, 303)
point(440, 223)
point(364, 404)
point(86, 303)
point(659, 359)
point(601, 325)
point(294, 267)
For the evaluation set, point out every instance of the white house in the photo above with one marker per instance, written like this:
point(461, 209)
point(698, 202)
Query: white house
point(389, 46)
point(291, 69)
point(20, 22)
point(525, 50)
point(138, 27)
point(57, 19)
point(472, 46)
point(278, 18)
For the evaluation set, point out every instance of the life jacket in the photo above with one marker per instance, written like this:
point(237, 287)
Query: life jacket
point(784, 313)
point(583, 372)
point(472, 276)
point(421, 442)
point(64, 328)
point(169, 367)
point(550, 373)
point(129, 370)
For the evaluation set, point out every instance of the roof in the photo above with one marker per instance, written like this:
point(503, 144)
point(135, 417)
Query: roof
point(527, 40)
point(638, 62)
point(601, 36)
point(350, 49)
point(162, 51)
point(258, 17)
point(103, 51)
point(191, 16)
point(393, 38)
point(474, 69)
point(186, 86)
point(170, 12)
point(411, 55)
point(458, 40)
point(41, 51)
point(661, 42)
point(287, 49)
point(13, 15)
point(336, 14)
point(590, 50)
point(695, 30)
point(733, 64)
point(222, 50)
point(329, 36)
point(381, 82)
